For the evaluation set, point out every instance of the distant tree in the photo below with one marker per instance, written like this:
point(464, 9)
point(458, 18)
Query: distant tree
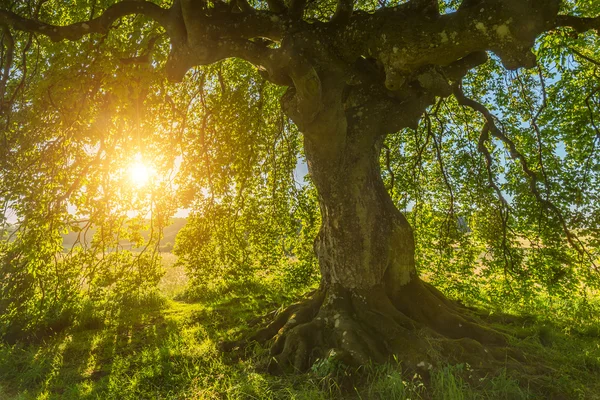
point(167, 247)
point(413, 95)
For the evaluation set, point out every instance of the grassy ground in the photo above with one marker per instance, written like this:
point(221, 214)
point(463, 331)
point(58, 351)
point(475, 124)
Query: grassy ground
point(168, 349)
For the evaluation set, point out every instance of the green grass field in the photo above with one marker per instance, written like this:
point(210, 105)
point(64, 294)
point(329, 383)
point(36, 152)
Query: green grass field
point(168, 348)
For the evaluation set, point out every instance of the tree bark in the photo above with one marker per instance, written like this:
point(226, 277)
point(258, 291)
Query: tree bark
point(364, 240)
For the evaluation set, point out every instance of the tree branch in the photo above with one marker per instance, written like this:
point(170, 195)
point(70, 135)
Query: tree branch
point(277, 6)
point(509, 28)
point(343, 12)
point(588, 59)
point(418, 94)
point(7, 62)
point(438, 151)
point(482, 148)
point(580, 24)
point(427, 7)
point(100, 24)
point(144, 58)
point(297, 9)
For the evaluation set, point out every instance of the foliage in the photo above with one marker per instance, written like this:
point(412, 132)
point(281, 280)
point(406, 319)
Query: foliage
point(482, 232)
point(248, 214)
point(74, 114)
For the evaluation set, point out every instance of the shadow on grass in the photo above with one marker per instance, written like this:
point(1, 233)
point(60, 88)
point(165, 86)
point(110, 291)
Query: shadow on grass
point(239, 305)
point(144, 351)
point(148, 352)
point(134, 350)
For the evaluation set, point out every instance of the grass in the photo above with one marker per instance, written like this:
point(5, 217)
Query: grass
point(168, 349)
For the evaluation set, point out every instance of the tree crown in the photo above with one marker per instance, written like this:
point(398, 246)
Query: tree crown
point(489, 110)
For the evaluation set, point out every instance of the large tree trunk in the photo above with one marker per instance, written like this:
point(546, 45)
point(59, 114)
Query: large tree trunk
point(371, 303)
point(364, 241)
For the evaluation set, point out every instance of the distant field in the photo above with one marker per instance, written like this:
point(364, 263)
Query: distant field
point(175, 279)
point(168, 239)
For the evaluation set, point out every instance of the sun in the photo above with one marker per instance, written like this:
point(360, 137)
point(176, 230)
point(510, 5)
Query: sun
point(139, 172)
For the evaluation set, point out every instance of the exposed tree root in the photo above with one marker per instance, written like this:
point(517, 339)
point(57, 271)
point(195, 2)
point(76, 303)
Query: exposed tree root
point(417, 325)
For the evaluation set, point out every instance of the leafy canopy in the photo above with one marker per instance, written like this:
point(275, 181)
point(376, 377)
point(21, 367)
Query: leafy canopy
point(504, 205)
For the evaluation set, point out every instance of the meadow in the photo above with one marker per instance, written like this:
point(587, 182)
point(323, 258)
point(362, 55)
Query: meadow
point(166, 346)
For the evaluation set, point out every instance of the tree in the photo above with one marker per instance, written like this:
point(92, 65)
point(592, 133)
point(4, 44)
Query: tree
point(356, 73)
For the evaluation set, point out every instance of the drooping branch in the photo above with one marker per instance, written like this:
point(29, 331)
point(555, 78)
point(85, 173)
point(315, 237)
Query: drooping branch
point(440, 159)
point(596, 127)
point(529, 174)
point(24, 74)
point(504, 208)
point(484, 137)
point(7, 62)
point(534, 117)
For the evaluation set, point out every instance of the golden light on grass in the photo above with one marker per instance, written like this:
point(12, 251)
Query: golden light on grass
point(139, 172)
